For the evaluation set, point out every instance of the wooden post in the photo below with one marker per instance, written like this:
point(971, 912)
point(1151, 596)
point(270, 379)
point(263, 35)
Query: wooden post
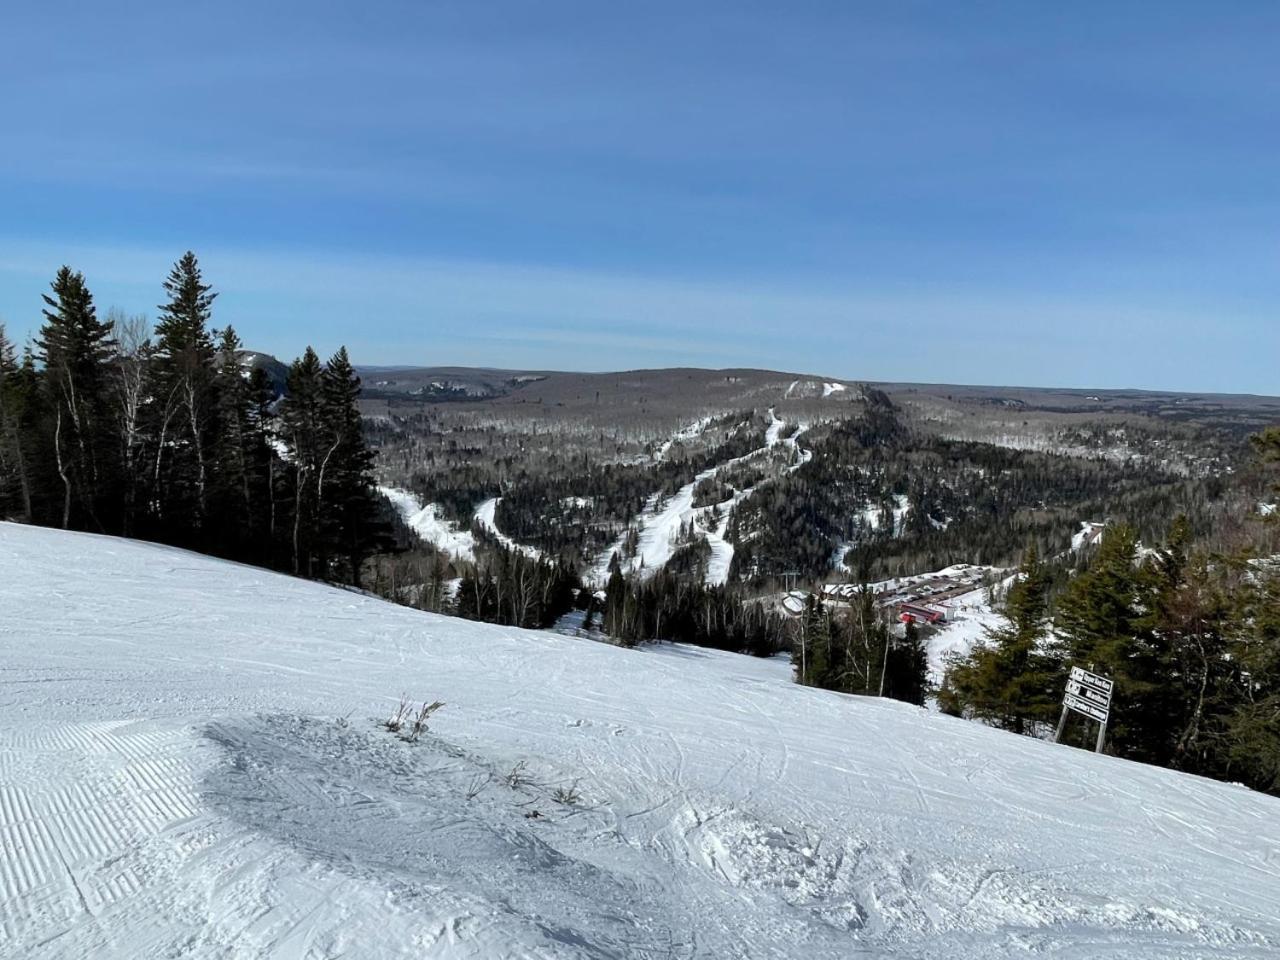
point(1102, 735)
point(1062, 723)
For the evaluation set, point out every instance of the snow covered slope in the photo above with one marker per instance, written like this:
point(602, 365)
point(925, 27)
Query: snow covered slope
point(427, 523)
point(177, 779)
point(486, 516)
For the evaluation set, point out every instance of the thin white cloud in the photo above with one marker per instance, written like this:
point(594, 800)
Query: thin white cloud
point(422, 310)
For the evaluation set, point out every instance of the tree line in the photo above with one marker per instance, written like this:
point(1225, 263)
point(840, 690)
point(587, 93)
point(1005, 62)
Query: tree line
point(167, 435)
point(1191, 640)
point(852, 649)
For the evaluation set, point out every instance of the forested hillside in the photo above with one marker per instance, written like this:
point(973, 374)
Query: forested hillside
point(707, 507)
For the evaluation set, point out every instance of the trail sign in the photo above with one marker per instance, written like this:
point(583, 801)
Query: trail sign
point(1089, 695)
point(1099, 683)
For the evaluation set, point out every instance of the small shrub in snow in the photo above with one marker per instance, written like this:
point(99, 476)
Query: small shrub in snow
point(407, 722)
point(569, 796)
point(517, 777)
point(399, 715)
point(477, 785)
point(419, 719)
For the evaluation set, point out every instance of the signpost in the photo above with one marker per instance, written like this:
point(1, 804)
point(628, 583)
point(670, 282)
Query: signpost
point(1089, 695)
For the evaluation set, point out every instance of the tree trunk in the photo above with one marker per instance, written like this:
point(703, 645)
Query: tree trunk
point(62, 470)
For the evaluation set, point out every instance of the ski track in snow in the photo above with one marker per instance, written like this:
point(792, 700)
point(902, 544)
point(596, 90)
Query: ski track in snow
point(174, 782)
point(660, 522)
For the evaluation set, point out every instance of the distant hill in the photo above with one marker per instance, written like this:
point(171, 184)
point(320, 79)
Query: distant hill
point(277, 372)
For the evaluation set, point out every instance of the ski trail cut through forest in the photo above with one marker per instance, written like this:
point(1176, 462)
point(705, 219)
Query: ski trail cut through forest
point(485, 516)
point(660, 522)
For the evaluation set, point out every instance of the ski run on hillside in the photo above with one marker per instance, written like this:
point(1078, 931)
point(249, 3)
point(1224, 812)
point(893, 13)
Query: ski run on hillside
point(194, 762)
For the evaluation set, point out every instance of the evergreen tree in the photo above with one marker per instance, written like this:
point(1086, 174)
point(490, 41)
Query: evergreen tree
point(615, 597)
point(1011, 679)
point(184, 385)
point(344, 482)
point(75, 348)
point(17, 396)
point(235, 490)
point(305, 437)
point(1103, 619)
point(907, 667)
point(264, 472)
point(1249, 732)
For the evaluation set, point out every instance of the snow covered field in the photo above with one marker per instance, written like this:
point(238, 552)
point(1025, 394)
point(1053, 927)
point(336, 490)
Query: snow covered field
point(177, 779)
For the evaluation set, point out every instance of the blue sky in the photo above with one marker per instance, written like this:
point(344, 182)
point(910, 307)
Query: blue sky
point(1061, 194)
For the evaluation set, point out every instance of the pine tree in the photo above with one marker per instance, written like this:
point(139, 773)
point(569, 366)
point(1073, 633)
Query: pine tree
point(184, 383)
point(1012, 679)
point(306, 441)
point(232, 490)
point(75, 348)
point(1248, 734)
point(615, 596)
point(1103, 620)
point(820, 670)
point(263, 471)
point(17, 395)
point(344, 482)
point(908, 668)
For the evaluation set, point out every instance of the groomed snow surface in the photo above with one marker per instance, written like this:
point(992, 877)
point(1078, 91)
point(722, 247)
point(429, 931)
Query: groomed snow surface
point(177, 779)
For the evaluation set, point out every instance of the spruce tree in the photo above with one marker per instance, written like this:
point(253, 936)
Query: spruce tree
point(615, 596)
point(306, 441)
point(908, 667)
point(264, 474)
point(75, 348)
point(17, 395)
point(1103, 619)
point(1012, 678)
point(344, 481)
point(184, 384)
point(232, 490)
point(1248, 735)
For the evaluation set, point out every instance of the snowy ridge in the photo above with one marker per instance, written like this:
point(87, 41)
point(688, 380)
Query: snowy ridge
point(173, 783)
point(427, 523)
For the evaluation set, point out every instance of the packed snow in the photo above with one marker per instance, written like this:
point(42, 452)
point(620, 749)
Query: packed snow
point(969, 619)
point(192, 764)
point(426, 522)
